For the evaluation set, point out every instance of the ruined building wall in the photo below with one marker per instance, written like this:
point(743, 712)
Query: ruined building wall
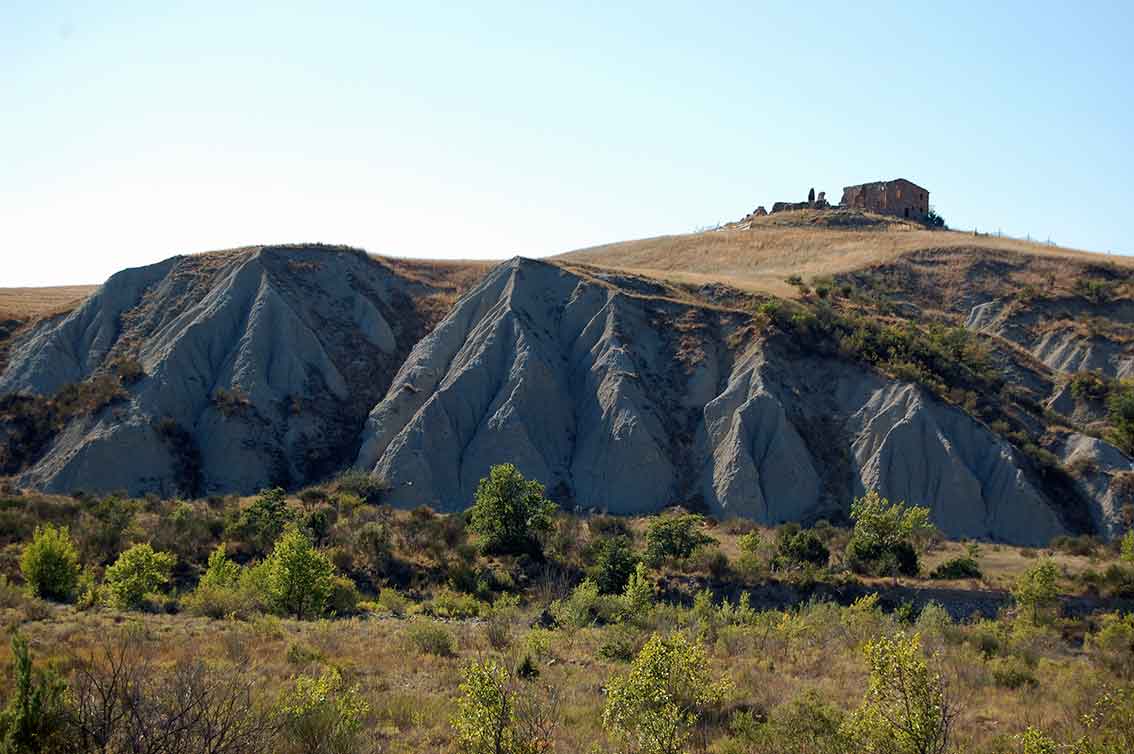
point(900, 198)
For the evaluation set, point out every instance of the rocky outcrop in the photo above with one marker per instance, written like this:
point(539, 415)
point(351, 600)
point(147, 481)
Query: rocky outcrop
point(603, 396)
point(258, 367)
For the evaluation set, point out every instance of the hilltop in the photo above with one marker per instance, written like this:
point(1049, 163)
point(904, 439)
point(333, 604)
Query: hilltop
point(760, 254)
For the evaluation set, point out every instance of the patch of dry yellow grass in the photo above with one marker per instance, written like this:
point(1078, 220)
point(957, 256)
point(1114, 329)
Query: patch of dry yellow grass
point(759, 258)
point(23, 303)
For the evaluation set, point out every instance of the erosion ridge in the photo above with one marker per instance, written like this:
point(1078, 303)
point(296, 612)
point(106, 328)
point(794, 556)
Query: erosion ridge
point(249, 367)
point(617, 389)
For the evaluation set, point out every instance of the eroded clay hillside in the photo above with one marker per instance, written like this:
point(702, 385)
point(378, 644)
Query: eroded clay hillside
point(632, 401)
point(216, 372)
point(935, 368)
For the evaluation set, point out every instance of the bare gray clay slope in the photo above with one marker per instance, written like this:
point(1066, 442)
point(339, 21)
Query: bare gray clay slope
point(630, 403)
point(259, 367)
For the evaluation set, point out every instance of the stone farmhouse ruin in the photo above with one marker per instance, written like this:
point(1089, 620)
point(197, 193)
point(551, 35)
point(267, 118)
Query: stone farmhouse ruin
point(899, 198)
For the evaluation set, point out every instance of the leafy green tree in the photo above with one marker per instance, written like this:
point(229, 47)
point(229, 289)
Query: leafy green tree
point(509, 512)
point(323, 715)
point(676, 537)
point(298, 579)
point(1037, 589)
point(882, 541)
point(139, 571)
point(614, 562)
point(262, 522)
point(654, 707)
point(906, 709)
point(50, 564)
point(34, 719)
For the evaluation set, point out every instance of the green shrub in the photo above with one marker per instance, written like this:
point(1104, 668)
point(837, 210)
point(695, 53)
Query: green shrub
point(1011, 672)
point(1037, 589)
point(375, 544)
point(620, 644)
point(216, 601)
point(262, 522)
point(431, 638)
point(881, 543)
point(655, 706)
point(1128, 547)
point(674, 537)
point(322, 715)
point(1121, 415)
point(586, 606)
point(510, 512)
point(344, 597)
point(638, 597)
point(1114, 643)
point(798, 548)
point(454, 605)
point(138, 572)
point(804, 725)
point(50, 564)
point(35, 718)
point(221, 572)
point(614, 562)
point(105, 528)
point(393, 601)
point(299, 579)
point(957, 568)
point(1083, 545)
point(369, 488)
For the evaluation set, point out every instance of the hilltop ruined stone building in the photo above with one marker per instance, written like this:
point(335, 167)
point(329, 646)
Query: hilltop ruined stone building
point(898, 197)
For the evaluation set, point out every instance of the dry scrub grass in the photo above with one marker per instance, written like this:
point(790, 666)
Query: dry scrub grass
point(25, 303)
point(761, 257)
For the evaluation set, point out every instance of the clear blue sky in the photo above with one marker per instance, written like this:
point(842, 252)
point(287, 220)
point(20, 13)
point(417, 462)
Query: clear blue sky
point(130, 132)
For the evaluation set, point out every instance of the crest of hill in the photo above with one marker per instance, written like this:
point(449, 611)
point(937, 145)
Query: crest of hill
point(758, 255)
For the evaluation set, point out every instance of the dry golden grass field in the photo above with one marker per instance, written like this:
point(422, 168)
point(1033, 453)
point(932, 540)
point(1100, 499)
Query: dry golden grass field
point(759, 258)
point(24, 303)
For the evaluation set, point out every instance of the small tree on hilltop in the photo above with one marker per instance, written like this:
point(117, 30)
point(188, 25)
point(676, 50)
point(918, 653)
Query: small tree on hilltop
point(299, 578)
point(882, 541)
point(509, 512)
point(906, 709)
point(50, 564)
point(654, 708)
